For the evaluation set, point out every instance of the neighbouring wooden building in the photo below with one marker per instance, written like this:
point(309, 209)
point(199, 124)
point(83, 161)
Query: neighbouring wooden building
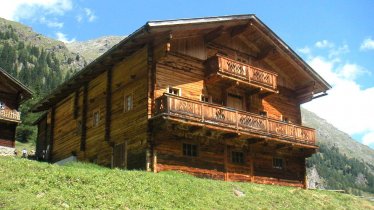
point(12, 94)
point(216, 97)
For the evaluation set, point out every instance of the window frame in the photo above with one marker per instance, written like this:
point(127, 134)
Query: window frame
point(94, 123)
point(275, 163)
point(205, 96)
point(236, 152)
point(191, 153)
point(126, 107)
point(2, 105)
point(174, 88)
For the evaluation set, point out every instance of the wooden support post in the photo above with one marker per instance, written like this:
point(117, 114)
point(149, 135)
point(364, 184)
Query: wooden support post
point(225, 161)
point(154, 160)
point(84, 117)
point(108, 107)
point(148, 160)
point(51, 135)
point(251, 151)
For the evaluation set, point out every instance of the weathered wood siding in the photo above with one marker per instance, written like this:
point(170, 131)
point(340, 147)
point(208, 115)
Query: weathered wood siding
point(211, 161)
point(128, 78)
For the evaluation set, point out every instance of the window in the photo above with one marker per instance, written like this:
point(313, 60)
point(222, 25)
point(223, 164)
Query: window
point(190, 150)
point(96, 118)
point(278, 163)
point(2, 105)
point(174, 91)
point(284, 119)
point(263, 113)
point(128, 103)
point(205, 98)
point(237, 157)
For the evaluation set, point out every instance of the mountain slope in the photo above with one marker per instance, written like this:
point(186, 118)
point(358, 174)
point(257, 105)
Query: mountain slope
point(14, 33)
point(92, 49)
point(331, 136)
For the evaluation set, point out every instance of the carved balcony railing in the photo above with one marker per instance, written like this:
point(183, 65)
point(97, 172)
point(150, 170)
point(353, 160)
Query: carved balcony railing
point(243, 72)
point(10, 115)
point(228, 118)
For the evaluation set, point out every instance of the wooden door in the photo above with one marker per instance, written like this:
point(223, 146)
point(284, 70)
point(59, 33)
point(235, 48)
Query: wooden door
point(235, 101)
point(119, 156)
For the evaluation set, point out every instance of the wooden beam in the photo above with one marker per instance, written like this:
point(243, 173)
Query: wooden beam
point(214, 34)
point(264, 53)
point(225, 161)
point(84, 118)
point(237, 30)
point(52, 132)
point(254, 91)
point(264, 95)
point(108, 105)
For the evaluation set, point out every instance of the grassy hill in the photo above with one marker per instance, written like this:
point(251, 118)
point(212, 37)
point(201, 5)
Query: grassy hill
point(29, 184)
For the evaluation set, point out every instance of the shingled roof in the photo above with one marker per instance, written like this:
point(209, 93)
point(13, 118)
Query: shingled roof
point(13, 86)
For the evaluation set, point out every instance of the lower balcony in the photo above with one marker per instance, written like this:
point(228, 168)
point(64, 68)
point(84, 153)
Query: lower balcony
point(233, 121)
point(10, 115)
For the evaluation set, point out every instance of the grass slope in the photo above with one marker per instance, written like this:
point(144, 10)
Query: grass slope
point(28, 184)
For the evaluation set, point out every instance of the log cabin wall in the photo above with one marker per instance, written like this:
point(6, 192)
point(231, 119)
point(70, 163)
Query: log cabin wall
point(66, 136)
point(130, 127)
point(211, 161)
point(128, 79)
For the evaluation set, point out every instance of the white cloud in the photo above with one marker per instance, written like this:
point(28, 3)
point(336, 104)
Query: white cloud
point(26, 9)
point(348, 106)
point(90, 14)
point(63, 37)
point(305, 50)
point(368, 139)
point(367, 44)
point(51, 23)
point(324, 44)
point(42, 11)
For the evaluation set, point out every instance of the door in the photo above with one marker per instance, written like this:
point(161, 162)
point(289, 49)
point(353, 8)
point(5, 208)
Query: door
point(119, 156)
point(235, 101)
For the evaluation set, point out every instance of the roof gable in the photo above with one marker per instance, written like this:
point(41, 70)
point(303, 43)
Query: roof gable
point(160, 30)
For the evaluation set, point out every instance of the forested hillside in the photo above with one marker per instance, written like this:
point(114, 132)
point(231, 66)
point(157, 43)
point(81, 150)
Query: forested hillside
point(38, 62)
point(42, 64)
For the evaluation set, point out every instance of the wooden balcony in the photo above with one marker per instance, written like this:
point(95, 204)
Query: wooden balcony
point(10, 115)
point(237, 121)
point(237, 71)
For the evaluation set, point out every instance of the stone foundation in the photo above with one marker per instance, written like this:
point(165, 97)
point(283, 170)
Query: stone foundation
point(6, 151)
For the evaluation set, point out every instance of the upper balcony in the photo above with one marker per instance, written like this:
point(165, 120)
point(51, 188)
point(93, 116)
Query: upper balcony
point(234, 121)
point(10, 115)
point(233, 70)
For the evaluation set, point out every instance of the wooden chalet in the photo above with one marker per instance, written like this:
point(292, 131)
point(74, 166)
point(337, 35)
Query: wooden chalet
point(12, 94)
point(216, 97)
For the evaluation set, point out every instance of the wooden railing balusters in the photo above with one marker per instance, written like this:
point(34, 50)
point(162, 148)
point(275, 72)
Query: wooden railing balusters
point(239, 120)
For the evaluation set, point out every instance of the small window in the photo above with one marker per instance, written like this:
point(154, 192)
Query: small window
point(278, 163)
point(96, 118)
point(2, 105)
point(128, 103)
point(237, 157)
point(284, 119)
point(174, 91)
point(190, 150)
point(205, 98)
point(263, 113)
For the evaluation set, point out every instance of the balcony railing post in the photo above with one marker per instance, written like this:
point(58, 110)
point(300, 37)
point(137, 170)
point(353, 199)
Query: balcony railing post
point(202, 112)
point(237, 120)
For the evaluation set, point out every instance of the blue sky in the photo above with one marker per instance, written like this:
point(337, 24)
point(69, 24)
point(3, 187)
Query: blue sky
point(335, 37)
